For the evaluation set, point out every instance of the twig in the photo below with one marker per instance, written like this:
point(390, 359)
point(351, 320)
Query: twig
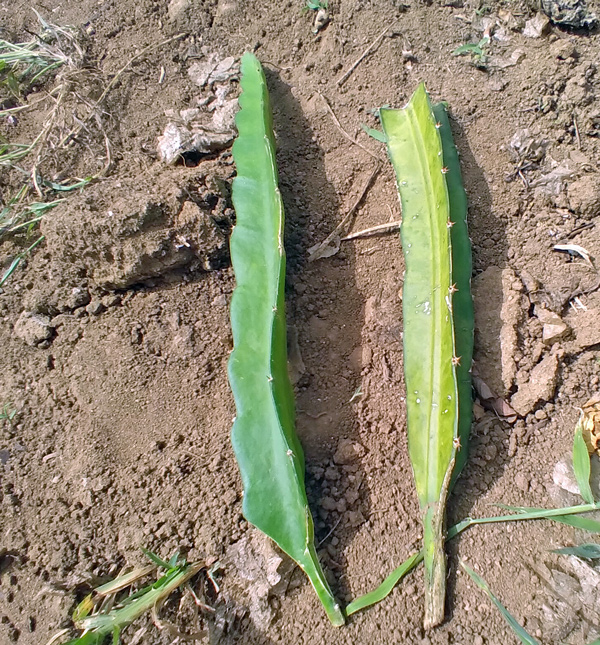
point(367, 51)
point(571, 234)
point(315, 251)
point(390, 227)
point(577, 130)
point(344, 133)
point(330, 532)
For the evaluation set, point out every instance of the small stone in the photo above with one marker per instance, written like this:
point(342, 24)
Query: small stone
point(341, 506)
point(220, 301)
point(553, 326)
point(563, 49)
point(491, 452)
point(522, 482)
point(328, 504)
point(584, 195)
point(478, 640)
point(213, 69)
point(572, 14)
point(77, 298)
point(332, 474)
point(551, 333)
point(537, 26)
point(355, 518)
point(177, 9)
point(564, 477)
point(111, 300)
point(586, 328)
point(539, 386)
point(540, 415)
point(351, 496)
point(321, 20)
point(95, 307)
point(347, 452)
point(32, 328)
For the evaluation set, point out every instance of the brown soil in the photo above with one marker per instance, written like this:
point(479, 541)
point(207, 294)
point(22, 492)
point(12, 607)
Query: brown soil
point(115, 336)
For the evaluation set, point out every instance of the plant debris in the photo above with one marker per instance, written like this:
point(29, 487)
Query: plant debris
point(569, 13)
point(590, 424)
point(575, 249)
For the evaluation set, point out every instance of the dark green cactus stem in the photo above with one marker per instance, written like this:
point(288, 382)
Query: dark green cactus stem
point(462, 268)
point(267, 449)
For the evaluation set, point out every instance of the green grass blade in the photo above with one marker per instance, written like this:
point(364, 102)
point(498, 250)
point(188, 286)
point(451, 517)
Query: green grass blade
point(581, 465)
point(374, 134)
point(469, 48)
point(521, 634)
point(588, 551)
point(15, 263)
point(462, 269)
point(584, 523)
point(385, 588)
point(91, 638)
point(268, 452)
point(568, 515)
point(415, 149)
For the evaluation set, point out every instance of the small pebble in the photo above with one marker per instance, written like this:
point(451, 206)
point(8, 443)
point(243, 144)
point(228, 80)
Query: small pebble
point(522, 482)
point(95, 307)
point(331, 474)
point(111, 300)
point(328, 503)
point(491, 452)
point(347, 452)
point(351, 496)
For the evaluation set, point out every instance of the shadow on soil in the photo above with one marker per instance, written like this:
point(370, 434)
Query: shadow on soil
point(327, 314)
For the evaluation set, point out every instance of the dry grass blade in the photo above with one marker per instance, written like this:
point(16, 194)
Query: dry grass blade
point(124, 581)
point(367, 51)
point(344, 133)
point(380, 229)
point(75, 120)
point(104, 614)
point(330, 245)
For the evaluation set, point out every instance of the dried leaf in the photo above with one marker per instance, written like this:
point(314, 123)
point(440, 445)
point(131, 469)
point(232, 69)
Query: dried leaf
point(590, 424)
point(491, 401)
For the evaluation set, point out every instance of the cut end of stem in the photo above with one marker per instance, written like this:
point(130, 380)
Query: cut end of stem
point(435, 567)
point(435, 596)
